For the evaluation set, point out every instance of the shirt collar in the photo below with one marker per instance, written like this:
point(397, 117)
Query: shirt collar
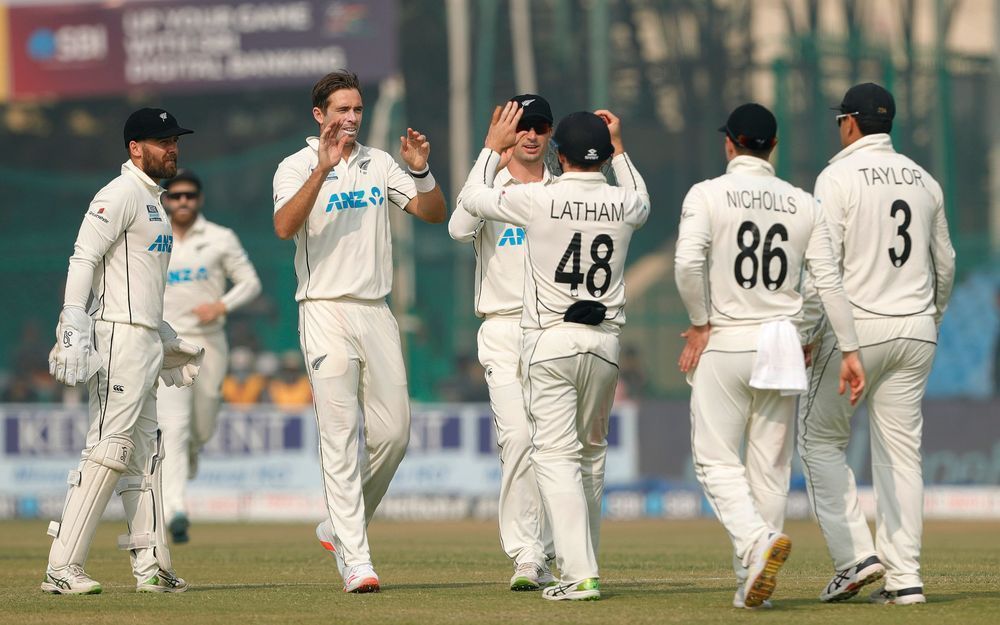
point(880, 141)
point(129, 167)
point(504, 177)
point(199, 223)
point(745, 164)
point(583, 175)
point(358, 151)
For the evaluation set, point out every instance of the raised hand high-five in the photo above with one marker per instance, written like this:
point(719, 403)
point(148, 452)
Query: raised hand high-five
point(414, 149)
point(331, 146)
point(614, 127)
point(503, 133)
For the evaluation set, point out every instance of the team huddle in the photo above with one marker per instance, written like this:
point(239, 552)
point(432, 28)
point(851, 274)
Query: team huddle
point(798, 303)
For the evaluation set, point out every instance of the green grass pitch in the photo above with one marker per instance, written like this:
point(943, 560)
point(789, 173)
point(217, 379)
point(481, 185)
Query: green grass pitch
point(652, 572)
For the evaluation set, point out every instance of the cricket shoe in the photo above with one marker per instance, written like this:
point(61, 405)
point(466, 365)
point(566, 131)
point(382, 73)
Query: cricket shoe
point(324, 532)
point(765, 562)
point(586, 590)
point(69, 580)
point(179, 528)
point(361, 579)
point(163, 581)
point(848, 582)
point(530, 576)
point(740, 602)
point(906, 596)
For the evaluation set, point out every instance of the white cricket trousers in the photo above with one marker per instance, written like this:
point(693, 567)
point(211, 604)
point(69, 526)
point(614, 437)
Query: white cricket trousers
point(524, 532)
point(896, 377)
point(188, 416)
point(569, 374)
point(355, 365)
point(123, 402)
point(729, 421)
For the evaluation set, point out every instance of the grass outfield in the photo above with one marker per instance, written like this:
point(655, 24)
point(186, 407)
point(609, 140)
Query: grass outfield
point(652, 572)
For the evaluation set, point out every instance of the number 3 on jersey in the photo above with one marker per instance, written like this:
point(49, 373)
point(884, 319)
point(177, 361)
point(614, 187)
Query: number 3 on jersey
point(601, 250)
point(748, 252)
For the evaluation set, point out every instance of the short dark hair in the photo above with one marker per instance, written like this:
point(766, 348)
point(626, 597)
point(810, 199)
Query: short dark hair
point(869, 126)
point(764, 154)
point(334, 81)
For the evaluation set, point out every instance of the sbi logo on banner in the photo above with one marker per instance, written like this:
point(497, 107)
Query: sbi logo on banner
point(44, 433)
point(177, 276)
point(355, 199)
point(77, 42)
point(256, 432)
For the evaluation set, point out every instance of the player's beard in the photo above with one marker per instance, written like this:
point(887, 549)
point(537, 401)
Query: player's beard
point(166, 167)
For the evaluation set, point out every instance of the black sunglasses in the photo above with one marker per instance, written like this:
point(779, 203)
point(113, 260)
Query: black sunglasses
point(183, 195)
point(540, 127)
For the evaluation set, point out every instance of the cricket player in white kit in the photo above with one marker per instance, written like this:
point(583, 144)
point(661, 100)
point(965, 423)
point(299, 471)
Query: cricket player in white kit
point(196, 302)
point(333, 197)
point(119, 349)
point(887, 222)
point(577, 230)
point(744, 239)
point(524, 532)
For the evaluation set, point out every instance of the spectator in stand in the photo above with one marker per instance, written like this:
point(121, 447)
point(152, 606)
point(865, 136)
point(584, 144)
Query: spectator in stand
point(242, 385)
point(290, 386)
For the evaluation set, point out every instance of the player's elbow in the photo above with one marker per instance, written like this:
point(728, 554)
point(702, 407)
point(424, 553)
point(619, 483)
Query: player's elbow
point(283, 231)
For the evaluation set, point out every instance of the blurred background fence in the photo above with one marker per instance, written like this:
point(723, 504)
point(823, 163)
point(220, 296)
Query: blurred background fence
point(672, 69)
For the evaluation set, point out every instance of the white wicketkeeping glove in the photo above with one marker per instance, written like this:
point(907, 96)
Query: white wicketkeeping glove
point(181, 360)
point(73, 361)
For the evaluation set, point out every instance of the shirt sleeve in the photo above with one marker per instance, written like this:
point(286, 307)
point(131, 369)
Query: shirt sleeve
point(825, 274)
point(691, 256)
point(628, 177)
point(510, 204)
point(109, 215)
point(288, 179)
point(461, 225)
point(240, 271)
point(399, 185)
point(943, 258)
point(830, 196)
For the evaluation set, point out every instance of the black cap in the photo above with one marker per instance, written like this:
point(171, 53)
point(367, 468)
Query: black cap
point(147, 123)
point(583, 138)
point(184, 175)
point(751, 126)
point(869, 101)
point(535, 107)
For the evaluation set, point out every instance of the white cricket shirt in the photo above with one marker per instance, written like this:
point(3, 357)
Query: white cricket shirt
point(122, 251)
point(743, 239)
point(577, 230)
point(344, 248)
point(202, 261)
point(888, 228)
point(499, 250)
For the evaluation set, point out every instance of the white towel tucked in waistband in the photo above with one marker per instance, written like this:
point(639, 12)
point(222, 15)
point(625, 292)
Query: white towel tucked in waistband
point(780, 364)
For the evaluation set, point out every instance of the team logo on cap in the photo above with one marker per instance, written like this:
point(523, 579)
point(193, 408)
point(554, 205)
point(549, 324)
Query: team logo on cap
point(527, 102)
point(163, 116)
point(591, 155)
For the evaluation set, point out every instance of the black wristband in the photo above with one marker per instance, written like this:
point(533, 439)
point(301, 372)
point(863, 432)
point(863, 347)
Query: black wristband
point(423, 174)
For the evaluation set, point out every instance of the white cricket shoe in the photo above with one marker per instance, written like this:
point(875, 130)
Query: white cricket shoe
point(163, 581)
point(905, 596)
point(739, 600)
point(848, 582)
point(586, 590)
point(530, 576)
point(324, 532)
point(69, 580)
point(360, 579)
point(765, 562)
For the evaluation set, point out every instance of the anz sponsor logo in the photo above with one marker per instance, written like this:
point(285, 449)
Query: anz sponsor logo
point(253, 432)
point(163, 243)
point(511, 236)
point(177, 276)
point(355, 199)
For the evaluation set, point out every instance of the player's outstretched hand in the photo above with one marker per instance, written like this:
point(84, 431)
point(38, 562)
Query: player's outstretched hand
point(503, 133)
point(614, 127)
point(852, 374)
point(697, 340)
point(331, 146)
point(414, 149)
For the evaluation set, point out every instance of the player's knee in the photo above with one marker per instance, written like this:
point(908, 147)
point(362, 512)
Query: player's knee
point(114, 452)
